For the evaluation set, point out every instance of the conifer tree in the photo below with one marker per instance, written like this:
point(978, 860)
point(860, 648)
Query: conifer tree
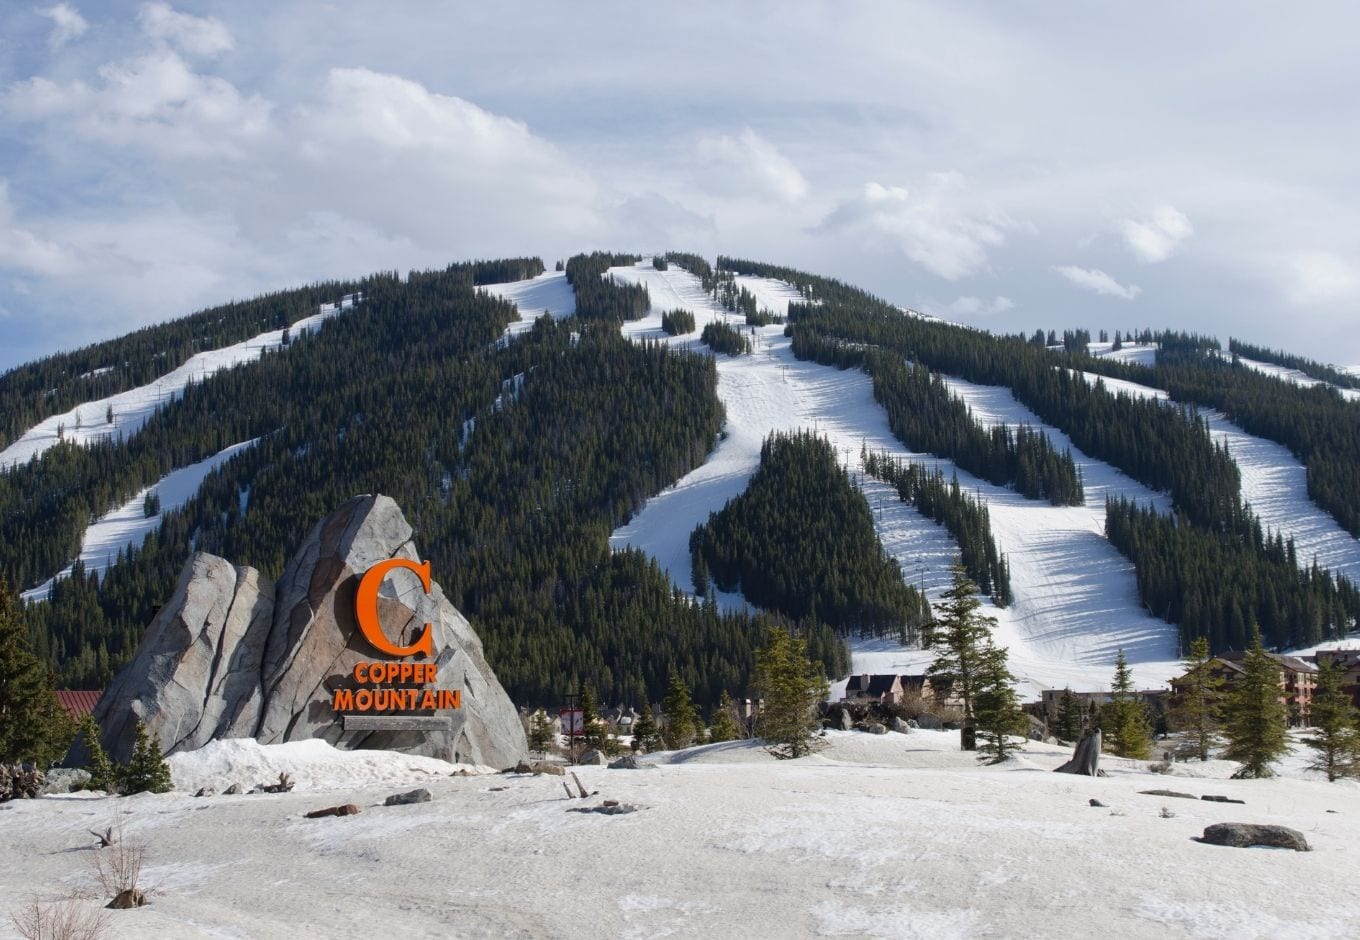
point(959, 636)
point(681, 719)
point(593, 731)
point(103, 776)
point(1124, 722)
point(645, 735)
point(34, 728)
point(999, 718)
point(1069, 723)
point(724, 726)
point(540, 733)
point(789, 686)
point(1255, 719)
point(147, 771)
point(1197, 704)
point(1335, 738)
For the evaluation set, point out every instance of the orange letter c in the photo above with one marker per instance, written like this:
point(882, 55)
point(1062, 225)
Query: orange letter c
point(366, 608)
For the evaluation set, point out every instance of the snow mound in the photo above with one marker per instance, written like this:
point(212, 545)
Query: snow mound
point(313, 765)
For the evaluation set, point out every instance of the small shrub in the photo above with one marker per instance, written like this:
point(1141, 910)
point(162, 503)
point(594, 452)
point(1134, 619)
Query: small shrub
point(68, 919)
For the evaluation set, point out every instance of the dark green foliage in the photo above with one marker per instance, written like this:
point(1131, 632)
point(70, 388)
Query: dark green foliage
point(646, 736)
point(34, 728)
point(724, 725)
point(725, 338)
point(34, 391)
point(1196, 706)
point(682, 721)
point(1070, 722)
point(789, 685)
point(962, 640)
point(498, 271)
point(513, 511)
point(593, 731)
point(540, 733)
point(599, 296)
point(966, 519)
point(801, 541)
point(103, 775)
point(1000, 722)
point(147, 772)
point(927, 417)
point(659, 262)
point(1217, 584)
point(1323, 373)
point(1255, 719)
point(1124, 720)
point(1335, 739)
point(677, 322)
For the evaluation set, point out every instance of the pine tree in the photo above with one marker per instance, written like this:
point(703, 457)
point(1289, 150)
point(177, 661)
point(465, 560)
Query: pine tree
point(999, 718)
point(682, 721)
point(645, 735)
point(1197, 704)
point(1124, 722)
point(103, 776)
point(593, 731)
point(1069, 723)
point(540, 733)
point(789, 685)
point(1255, 719)
point(724, 727)
point(1335, 737)
point(147, 771)
point(34, 728)
point(958, 635)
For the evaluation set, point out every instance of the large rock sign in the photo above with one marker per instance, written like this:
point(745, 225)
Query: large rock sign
point(232, 655)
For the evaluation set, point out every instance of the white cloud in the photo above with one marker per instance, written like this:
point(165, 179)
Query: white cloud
point(1157, 237)
point(937, 228)
point(1320, 278)
point(195, 35)
point(1097, 280)
point(27, 251)
point(153, 101)
point(67, 24)
point(968, 306)
point(753, 164)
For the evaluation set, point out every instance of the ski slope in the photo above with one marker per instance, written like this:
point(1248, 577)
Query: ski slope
point(88, 423)
point(128, 525)
point(1076, 603)
point(1294, 376)
point(548, 293)
point(1275, 484)
point(1141, 354)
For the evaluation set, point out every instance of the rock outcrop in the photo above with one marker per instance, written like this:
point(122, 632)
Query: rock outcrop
point(233, 655)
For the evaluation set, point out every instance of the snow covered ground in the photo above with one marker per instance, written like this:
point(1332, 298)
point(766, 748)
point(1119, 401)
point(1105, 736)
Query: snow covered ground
point(1293, 375)
point(1142, 354)
point(128, 525)
point(88, 422)
point(874, 836)
point(1276, 486)
point(548, 293)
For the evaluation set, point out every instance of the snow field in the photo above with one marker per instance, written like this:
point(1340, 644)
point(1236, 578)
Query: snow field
point(1294, 376)
point(128, 526)
point(1276, 486)
point(88, 423)
point(548, 293)
point(874, 836)
point(1143, 354)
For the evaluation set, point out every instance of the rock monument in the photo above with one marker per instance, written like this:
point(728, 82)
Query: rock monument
point(232, 655)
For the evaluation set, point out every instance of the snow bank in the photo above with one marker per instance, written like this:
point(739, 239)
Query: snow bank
point(313, 765)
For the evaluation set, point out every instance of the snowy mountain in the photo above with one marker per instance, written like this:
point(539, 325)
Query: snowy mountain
point(1077, 599)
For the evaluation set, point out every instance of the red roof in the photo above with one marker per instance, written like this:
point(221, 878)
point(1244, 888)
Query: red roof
point(78, 704)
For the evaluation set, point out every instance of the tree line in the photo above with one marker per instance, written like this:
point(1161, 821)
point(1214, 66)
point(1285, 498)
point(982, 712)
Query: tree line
point(800, 540)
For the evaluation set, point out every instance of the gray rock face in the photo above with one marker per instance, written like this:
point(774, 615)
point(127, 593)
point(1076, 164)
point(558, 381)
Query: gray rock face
point(64, 780)
point(232, 655)
point(1245, 835)
point(420, 795)
point(929, 722)
point(901, 727)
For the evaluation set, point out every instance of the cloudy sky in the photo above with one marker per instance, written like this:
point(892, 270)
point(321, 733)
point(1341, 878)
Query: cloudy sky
point(1011, 165)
